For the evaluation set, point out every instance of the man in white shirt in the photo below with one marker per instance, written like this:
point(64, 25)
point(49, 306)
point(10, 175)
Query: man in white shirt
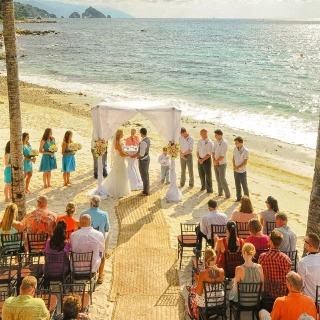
point(219, 157)
point(204, 151)
point(309, 266)
point(88, 239)
point(186, 147)
point(213, 217)
point(289, 237)
point(240, 160)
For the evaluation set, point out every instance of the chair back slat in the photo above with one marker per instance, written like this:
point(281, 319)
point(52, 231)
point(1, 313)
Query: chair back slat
point(258, 254)
point(56, 265)
point(242, 230)
point(37, 242)
point(270, 226)
point(188, 229)
point(293, 257)
point(249, 293)
point(7, 269)
point(81, 262)
point(214, 293)
point(78, 289)
point(12, 243)
point(231, 261)
point(219, 230)
point(29, 265)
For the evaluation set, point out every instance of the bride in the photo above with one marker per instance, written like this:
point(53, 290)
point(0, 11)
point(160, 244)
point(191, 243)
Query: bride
point(116, 184)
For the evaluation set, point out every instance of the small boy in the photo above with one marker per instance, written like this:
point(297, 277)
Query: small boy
point(165, 167)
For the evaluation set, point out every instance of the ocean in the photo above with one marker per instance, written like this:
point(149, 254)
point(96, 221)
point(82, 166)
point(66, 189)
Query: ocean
point(260, 76)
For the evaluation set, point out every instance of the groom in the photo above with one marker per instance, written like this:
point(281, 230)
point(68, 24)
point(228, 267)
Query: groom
point(144, 160)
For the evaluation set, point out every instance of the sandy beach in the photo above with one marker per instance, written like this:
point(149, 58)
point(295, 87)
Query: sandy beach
point(274, 168)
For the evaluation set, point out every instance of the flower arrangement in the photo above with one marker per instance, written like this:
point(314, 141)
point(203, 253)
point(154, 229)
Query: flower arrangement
point(75, 146)
point(100, 147)
point(53, 148)
point(33, 153)
point(173, 149)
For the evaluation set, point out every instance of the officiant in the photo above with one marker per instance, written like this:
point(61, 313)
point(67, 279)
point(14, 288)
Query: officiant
point(133, 140)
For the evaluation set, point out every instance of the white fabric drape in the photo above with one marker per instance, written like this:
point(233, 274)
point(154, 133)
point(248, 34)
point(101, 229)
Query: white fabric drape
point(109, 115)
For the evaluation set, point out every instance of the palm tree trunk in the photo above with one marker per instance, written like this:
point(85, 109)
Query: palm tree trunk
point(314, 206)
point(9, 36)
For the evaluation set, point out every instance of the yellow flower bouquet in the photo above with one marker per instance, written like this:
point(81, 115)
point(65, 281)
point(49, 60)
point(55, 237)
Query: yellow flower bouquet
point(74, 146)
point(33, 153)
point(100, 147)
point(53, 148)
point(173, 149)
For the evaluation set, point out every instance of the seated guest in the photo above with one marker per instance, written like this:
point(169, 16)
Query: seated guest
point(58, 244)
point(88, 239)
point(213, 217)
point(211, 273)
point(231, 243)
point(293, 305)
point(71, 309)
point(25, 306)
point(133, 140)
point(9, 225)
point(260, 241)
point(244, 212)
point(309, 266)
point(289, 237)
point(275, 264)
point(40, 220)
point(269, 214)
point(72, 223)
point(249, 272)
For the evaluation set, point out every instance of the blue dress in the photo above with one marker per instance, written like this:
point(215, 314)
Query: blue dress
point(27, 165)
point(68, 162)
point(48, 162)
point(7, 173)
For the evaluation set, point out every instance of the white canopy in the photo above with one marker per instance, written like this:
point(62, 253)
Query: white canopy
point(108, 116)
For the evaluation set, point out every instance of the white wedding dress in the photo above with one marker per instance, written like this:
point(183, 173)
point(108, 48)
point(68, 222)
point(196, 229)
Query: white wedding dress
point(116, 184)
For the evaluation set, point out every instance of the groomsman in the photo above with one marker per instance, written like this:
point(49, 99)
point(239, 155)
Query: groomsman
point(219, 157)
point(186, 147)
point(240, 160)
point(204, 151)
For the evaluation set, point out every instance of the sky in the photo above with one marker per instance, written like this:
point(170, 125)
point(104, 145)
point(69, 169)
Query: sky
point(268, 9)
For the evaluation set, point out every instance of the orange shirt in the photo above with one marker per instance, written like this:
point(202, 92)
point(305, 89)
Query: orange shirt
point(132, 141)
point(71, 222)
point(293, 306)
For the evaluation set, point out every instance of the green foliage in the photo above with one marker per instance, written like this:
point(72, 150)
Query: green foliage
point(23, 11)
point(92, 13)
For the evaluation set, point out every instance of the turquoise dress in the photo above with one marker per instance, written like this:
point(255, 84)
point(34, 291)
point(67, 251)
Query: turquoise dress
point(68, 162)
point(27, 165)
point(7, 172)
point(48, 162)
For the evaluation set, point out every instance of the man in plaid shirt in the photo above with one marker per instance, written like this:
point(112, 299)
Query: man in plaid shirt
point(275, 264)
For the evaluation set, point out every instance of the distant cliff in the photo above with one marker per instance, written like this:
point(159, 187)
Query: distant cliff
point(74, 15)
point(92, 13)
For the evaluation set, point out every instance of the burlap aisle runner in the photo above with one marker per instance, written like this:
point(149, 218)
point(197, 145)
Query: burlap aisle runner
point(145, 283)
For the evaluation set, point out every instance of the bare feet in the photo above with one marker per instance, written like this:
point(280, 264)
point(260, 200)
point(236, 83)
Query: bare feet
point(45, 186)
point(7, 200)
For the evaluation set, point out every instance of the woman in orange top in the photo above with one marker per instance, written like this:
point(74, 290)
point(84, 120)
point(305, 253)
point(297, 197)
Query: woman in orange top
point(72, 223)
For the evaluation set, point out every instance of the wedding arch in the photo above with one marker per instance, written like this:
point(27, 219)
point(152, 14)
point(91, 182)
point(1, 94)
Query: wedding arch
point(110, 114)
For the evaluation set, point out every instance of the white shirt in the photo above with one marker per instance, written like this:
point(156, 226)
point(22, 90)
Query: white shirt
point(214, 217)
point(186, 143)
point(164, 160)
point(204, 147)
point(309, 269)
point(239, 157)
point(88, 239)
point(143, 147)
point(220, 148)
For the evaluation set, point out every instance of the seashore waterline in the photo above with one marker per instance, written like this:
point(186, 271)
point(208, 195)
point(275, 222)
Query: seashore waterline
point(245, 74)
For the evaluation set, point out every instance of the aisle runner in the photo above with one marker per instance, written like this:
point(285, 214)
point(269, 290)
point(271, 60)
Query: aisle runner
point(145, 282)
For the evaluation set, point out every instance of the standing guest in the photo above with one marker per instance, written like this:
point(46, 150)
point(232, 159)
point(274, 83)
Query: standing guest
point(244, 212)
point(7, 173)
point(27, 160)
point(249, 272)
point(68, 159)
point(292, 306)
point(25, 306)
point(289, 237)
point(72, 223)
point(99, 221)
point(95, 161)
point(186, 160)
point(165, 166)
point(269, 215)
point(213, 217)
point(309, 266)
point(40, 220)
point(71, 309)
point(133, 140)
point(48, 160)
point(144, 160)
point(275, 263)
point(260, 241)
point(240, 161)
point(9, 224)
point(219, 157)
point(231, 243)
point(88, 239)
point(204, 151)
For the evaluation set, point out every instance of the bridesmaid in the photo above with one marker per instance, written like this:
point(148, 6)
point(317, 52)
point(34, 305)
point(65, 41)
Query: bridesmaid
point(68, 159)
point(27, 160)
point(7, 173)
point(48, 160)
